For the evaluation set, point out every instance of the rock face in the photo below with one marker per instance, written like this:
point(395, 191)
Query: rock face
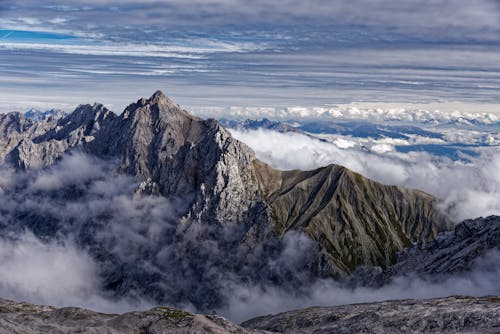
point(453, 251)
point(449, 253)
point(24, 318)
point(233, 202)
point(443, 315)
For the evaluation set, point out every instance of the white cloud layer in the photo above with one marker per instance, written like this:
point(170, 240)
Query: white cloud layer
point(404, 114)
point(54, 273)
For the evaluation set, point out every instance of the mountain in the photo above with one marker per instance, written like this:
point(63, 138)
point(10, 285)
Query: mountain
point(40, 116)
point(363, 129)
point(264, 123)
point(230, 216)
point(408, 136)
point(359, 129)
point(457, 314)
point(443, 315)
point(355, 220)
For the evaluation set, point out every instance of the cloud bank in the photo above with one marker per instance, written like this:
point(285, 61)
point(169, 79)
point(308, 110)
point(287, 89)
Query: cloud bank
point(353, 113)
point(251, 301)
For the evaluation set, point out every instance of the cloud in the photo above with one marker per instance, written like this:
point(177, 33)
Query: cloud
point(408, 16)
point(73, 170)
point(46, 271)
point(136, 50)
point(131, 250)
point(347, 112)
point(60, 273)
point(55, 273)
point(284, 54)
point(466, 190)
point(246, 302)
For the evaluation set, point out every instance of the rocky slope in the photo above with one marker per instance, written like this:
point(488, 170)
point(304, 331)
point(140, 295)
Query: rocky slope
point(357, 221)
point(25, 318)
point(450, 253)
point(442, 315)
point(236, 214)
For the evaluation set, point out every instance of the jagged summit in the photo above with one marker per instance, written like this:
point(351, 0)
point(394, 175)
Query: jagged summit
point(159, 105)
point(40, 116)
point(157, 96)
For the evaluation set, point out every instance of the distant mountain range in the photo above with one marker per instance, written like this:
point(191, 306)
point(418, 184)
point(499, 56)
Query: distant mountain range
point(428, 138)
point(40, 116)
point(361, 129)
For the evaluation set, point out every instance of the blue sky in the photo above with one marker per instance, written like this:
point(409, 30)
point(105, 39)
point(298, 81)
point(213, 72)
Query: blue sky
point(223, 53)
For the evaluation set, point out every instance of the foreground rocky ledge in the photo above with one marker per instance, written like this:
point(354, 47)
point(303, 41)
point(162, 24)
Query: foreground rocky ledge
point(457, 314)
point(25, 318)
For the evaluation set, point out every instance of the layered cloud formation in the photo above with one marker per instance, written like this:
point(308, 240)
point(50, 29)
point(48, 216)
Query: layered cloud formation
point(409, 17)
point(228, 53)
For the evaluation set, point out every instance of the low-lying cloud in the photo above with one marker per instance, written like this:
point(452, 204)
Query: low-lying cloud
point(246, 302)
point(78, 234)
point(125, 250)
point(56, 273)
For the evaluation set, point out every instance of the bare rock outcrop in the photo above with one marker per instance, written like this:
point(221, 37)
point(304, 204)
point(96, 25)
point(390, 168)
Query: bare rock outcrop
point(443, 315)
point(25, 318)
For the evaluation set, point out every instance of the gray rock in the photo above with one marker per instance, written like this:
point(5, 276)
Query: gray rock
point(450, 253)
point(443, 315)
point(25, 318)
point(458, 314)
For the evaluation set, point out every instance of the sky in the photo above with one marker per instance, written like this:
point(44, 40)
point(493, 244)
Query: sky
point(233, 53)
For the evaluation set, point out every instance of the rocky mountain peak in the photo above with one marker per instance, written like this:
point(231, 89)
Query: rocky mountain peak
point(86, 120)
point(157, 96)
point(87, 114)
point(158, 106)
point(41, 116)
